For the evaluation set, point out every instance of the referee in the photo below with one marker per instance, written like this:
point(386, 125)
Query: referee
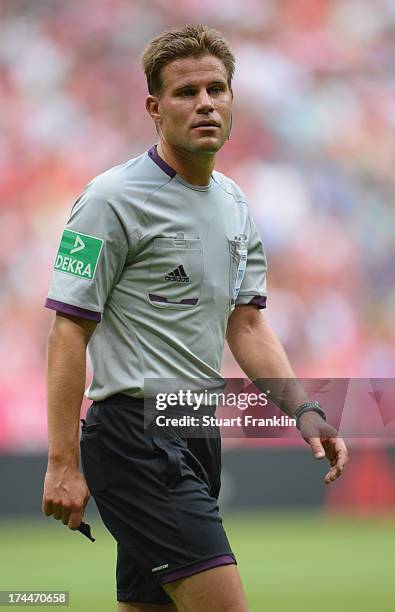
point(159, 261)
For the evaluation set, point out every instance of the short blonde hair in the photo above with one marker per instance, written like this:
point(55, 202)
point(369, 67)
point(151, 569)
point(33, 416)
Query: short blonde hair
point(190, 41)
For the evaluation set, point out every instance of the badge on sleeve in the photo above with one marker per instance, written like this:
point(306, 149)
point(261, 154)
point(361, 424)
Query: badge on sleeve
point(241, 268)
point(78, 254)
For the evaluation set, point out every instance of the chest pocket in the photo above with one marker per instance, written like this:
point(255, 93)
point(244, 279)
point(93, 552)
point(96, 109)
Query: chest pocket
point(176, 273)
point(238, 263)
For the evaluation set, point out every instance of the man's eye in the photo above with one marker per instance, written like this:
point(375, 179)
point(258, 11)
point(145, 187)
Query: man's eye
point(187, 92)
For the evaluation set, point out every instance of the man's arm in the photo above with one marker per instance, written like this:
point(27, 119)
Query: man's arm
point(260, 354)
point(65, 491)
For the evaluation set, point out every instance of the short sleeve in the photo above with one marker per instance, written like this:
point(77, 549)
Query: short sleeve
point(91, 257)
point(253, 287)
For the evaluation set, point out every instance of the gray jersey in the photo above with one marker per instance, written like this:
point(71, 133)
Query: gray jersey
point(159, 264)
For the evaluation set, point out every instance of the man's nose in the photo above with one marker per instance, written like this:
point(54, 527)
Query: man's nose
point(204, 103)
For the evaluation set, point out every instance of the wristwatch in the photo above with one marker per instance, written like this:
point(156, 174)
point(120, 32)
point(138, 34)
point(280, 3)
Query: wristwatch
point(308, 407)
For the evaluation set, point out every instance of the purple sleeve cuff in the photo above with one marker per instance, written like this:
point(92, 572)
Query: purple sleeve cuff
point(75, 311)
point(259, 300)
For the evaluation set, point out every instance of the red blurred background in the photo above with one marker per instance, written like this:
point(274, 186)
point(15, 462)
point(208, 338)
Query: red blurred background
point(312, 147)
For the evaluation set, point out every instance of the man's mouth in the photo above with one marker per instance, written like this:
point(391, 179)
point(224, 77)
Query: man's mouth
point(206, 124)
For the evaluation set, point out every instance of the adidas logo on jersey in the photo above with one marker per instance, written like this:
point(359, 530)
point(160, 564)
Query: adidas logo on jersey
point(178, 275)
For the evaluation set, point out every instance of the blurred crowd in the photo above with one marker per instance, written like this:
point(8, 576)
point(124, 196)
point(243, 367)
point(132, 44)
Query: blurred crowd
point(312, 146)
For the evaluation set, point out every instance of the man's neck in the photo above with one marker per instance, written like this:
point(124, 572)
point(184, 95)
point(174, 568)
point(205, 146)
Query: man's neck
point(193, 169)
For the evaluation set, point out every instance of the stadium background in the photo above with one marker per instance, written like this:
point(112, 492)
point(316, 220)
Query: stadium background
point(313, 147)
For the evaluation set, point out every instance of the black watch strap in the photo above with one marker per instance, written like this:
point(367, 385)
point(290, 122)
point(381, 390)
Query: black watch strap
point(308, 407)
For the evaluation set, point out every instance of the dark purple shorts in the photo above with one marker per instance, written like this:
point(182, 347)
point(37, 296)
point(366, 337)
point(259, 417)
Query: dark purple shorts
point(156, 495)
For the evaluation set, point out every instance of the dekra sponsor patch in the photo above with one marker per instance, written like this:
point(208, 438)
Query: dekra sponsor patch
point(78, 254)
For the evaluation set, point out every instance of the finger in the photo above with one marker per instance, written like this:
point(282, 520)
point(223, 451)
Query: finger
point(341, 463)
point(57, 512)
point(47, 508)
point(316, 448)
point(329, 478)
point(75, 519)
point(341, 454)
point(329, 450)
point(336, 451)
point(334, 473)
point(65, 515)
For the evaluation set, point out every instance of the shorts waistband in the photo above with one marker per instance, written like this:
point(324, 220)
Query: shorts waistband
point(121, 399)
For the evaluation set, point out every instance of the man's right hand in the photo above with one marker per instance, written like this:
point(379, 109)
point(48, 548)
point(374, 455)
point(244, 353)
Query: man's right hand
point(65, 495)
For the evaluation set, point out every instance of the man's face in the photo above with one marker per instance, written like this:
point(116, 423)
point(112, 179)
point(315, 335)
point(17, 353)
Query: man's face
point(194, 107)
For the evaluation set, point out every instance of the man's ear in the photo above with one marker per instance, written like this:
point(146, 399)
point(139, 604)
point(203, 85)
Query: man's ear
point(152, 106)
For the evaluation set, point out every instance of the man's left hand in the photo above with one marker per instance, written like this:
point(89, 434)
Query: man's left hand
point(324, 442)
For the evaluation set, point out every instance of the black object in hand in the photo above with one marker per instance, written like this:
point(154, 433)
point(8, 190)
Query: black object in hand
point(85, 529)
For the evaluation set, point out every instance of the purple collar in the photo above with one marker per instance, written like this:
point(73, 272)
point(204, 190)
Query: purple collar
point(153, 153)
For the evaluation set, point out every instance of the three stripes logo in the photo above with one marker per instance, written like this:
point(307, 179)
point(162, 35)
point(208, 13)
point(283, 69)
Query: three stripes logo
point(178, 275)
